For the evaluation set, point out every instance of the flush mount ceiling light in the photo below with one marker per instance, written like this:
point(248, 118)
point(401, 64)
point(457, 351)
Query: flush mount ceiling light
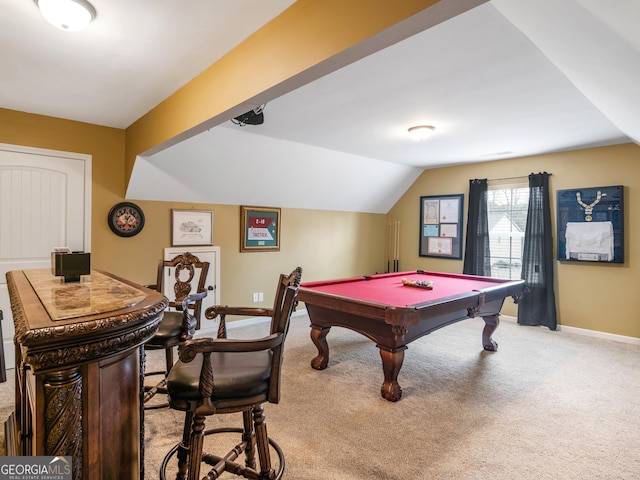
point(70, 15)
point(421, 132)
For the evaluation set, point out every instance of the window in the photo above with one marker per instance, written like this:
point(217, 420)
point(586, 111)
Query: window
point(507, 210)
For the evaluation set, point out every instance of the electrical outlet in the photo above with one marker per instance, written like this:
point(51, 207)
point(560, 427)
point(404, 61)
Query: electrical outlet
point(260, 296)
point(255, 297)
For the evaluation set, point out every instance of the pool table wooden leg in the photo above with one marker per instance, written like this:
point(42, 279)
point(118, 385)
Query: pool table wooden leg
point(391, 365)
point(319, 339)
point(490, 325)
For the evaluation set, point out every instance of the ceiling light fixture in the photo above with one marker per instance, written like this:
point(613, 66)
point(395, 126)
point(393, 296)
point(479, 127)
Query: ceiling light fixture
point(70, 15)
point(421, 132)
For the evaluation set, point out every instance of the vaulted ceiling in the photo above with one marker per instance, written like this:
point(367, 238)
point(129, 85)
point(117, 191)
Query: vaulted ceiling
point(507, 78)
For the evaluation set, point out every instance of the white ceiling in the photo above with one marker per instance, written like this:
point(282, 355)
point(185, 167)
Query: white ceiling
point(506, 79)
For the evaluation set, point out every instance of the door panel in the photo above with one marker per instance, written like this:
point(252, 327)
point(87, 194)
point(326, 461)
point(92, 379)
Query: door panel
point(45, 202)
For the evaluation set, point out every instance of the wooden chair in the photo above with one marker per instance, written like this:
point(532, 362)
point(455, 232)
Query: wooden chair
point(222, 375)
point(177, 326)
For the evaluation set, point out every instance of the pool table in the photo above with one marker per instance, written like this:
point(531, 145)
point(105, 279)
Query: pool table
point(392, 314)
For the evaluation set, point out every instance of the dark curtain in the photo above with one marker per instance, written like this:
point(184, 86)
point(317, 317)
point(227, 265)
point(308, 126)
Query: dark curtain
point(538, 305)
point(476, 252)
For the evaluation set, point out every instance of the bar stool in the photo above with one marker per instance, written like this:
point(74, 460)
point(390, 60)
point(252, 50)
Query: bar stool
point(220, 376)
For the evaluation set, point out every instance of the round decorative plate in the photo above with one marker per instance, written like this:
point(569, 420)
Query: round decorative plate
point(126, 219)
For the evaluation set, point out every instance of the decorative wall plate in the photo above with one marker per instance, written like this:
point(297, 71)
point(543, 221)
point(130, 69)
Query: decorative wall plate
point(126, 219)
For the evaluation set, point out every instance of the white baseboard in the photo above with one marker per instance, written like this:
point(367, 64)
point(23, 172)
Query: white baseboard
point(585, 332)
point(212, 328)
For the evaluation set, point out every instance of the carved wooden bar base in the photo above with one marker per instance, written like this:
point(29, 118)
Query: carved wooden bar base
point(79, 361)
point(63, 415)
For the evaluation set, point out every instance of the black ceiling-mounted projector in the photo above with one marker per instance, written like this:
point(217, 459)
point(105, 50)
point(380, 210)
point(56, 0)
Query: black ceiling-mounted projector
point(250, 118)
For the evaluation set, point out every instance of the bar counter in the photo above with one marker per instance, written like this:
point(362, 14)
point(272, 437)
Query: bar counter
point(79, 370)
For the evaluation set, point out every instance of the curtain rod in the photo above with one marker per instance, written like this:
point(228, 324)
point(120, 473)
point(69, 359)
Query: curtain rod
point(508, 178)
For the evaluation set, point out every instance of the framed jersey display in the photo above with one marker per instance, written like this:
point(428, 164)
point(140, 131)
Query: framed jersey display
point(590, 224)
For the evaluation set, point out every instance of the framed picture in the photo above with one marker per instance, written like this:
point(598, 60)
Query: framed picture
point(441, 226)
point(590, 224)
point(259, 229)
point(191, 227)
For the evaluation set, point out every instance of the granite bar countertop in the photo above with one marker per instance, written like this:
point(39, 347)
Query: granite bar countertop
point(93, 294)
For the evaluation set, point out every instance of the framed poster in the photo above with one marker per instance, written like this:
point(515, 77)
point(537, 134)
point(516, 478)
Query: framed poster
point(259, 229)
point(441, 226)
point(191, 227)
point(590, 224)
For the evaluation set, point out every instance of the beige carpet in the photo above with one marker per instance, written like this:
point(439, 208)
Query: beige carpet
point(547, 405)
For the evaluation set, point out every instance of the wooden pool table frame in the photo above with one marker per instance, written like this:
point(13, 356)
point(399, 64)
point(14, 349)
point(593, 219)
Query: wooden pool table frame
point(392, 328)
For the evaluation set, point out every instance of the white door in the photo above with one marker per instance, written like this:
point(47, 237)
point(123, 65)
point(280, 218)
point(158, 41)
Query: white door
point(45, 202)
point(205, 254)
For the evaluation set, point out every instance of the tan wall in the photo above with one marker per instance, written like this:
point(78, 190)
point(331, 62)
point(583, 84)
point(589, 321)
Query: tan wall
point(326, 244)
point(105, 145)
point(338, 244)
point(591, 296)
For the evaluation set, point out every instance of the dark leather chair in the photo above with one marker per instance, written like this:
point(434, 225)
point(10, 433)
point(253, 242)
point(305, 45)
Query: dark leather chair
point(222, 375)
point(179, 324)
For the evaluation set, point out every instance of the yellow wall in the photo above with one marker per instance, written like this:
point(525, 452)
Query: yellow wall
point(105, 145)
point(338, 244)
point(326, 244)
point(590, 296)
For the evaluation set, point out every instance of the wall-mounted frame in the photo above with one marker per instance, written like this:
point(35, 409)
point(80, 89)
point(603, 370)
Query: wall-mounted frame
point(590, 224)
point(191, 227)
point(259, 229)
point(441, 226)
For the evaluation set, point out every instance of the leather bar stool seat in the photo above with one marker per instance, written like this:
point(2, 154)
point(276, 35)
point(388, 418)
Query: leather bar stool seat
point(237, 375)
point(172, 327)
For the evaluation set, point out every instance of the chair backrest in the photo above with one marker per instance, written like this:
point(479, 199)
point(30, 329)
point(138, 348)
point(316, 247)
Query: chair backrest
point(285, 281)
point(190, 276)
point(284, 306)
point(281, 327)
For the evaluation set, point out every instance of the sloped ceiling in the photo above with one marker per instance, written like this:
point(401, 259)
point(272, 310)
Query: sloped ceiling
point(508, 78)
